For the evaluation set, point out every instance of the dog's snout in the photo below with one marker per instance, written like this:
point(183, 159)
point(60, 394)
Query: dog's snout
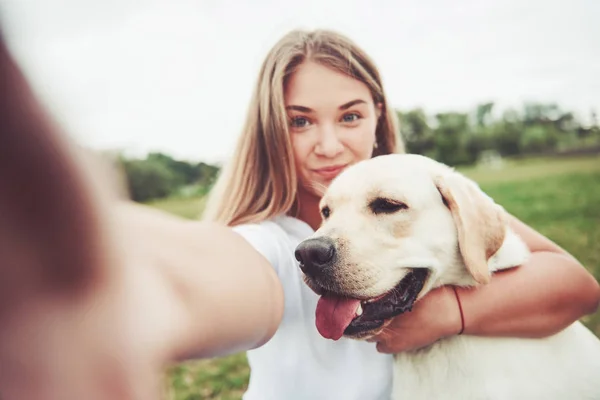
point(315, 254)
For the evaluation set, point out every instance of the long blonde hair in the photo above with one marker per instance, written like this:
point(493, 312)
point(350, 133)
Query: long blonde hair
point(260, 180)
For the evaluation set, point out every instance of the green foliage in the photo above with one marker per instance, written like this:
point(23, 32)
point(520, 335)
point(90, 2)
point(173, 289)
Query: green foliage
point(158, 176)
point(460, 138)
point(148, 179)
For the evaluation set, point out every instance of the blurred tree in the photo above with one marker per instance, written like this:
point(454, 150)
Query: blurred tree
point(450, 137)
point(149, 179)
point(416, 131)
point(483, 114)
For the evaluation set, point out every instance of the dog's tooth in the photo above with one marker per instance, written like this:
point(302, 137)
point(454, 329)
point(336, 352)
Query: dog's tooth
point(359, 310)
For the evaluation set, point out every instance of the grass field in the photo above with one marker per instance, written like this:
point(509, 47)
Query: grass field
point(558, 197)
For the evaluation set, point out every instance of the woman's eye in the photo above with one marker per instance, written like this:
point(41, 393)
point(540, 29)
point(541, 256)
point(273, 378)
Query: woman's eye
point(352, 117)
point(299, 122)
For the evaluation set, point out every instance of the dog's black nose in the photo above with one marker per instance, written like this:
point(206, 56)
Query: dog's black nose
point(315, 254)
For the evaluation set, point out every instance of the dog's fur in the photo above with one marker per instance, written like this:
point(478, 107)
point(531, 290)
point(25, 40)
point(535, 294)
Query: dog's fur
point(452, 228)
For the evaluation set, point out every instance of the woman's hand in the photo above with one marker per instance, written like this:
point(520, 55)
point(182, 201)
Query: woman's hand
point(82, 314)
point(110, 342)
point(433, 317)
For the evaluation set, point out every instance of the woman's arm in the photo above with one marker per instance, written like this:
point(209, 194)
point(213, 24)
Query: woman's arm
point(163, 290)
point(540, 298)
point(97, 294)
point(230, 296)
point(537, 299)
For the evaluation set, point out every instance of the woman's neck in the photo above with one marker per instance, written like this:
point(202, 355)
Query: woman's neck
point(308, 211)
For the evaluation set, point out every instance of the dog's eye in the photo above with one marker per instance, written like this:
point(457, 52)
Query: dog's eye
point(386, 206)
point(325, 211)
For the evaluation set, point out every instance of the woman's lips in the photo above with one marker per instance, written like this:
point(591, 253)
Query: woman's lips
point(330, 172)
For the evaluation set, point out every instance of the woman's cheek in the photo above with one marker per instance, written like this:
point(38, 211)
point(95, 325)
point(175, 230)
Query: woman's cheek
point(300, 159)
point(362, 145)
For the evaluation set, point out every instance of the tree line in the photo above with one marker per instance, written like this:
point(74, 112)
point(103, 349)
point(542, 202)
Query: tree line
point(455, 138)
point(159, 175)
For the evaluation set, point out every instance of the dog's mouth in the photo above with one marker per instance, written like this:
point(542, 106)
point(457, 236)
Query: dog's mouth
point(338, 315)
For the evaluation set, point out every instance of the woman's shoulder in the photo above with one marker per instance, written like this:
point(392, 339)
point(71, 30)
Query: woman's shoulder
point(278, 227)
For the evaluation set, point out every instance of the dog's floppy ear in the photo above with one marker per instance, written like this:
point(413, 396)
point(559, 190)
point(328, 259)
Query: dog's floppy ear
point(480, 223)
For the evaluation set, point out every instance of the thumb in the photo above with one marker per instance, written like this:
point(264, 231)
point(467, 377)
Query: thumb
point(382, 347)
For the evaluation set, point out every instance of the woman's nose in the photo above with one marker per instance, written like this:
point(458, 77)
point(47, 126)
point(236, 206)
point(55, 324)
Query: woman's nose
point(329, 144)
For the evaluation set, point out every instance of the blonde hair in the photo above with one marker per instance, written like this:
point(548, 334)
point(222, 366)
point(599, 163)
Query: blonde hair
point(260, 180)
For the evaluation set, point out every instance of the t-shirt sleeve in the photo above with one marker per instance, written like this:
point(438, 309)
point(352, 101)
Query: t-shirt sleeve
point(265, 240)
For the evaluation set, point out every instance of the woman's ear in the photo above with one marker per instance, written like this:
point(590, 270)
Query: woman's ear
point(379, 109)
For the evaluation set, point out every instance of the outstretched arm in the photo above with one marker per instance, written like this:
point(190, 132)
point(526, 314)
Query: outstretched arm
point(228, 295)
point(98, 294)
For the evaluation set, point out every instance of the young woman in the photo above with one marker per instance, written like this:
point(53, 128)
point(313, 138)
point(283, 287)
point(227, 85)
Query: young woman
point(318, 107)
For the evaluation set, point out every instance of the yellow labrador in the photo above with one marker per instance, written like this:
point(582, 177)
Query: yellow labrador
point(396, 227)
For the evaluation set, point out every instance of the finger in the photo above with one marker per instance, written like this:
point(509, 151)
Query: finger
point(50, 226)
point(382, 347)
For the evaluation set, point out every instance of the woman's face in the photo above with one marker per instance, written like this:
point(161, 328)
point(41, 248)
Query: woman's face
point(332, 120)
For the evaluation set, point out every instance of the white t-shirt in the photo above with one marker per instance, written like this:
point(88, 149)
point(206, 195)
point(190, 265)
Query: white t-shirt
point(298, 363)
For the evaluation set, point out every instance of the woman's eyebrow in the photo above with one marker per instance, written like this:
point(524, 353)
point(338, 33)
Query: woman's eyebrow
point(300, 108)
point(352, 103)
point(310, 110)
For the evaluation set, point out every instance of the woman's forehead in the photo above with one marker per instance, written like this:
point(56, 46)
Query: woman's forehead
point(316, 86)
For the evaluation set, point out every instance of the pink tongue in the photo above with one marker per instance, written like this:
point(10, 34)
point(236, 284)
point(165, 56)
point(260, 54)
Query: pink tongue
point(334, 314)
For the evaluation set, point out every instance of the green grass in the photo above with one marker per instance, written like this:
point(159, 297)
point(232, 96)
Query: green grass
point(532, 169)
point(184, 207)
point(225, 379)
point(558, 197)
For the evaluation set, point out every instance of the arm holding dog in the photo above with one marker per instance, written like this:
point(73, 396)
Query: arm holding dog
point(546, 294)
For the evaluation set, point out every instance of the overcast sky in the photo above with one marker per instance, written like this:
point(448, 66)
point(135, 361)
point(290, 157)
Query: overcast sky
point(176, 76)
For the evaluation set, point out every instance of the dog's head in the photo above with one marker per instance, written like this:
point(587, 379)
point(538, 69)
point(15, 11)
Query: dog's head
point(394, 227)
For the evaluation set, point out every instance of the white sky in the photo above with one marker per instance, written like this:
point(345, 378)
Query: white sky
point(176, 76)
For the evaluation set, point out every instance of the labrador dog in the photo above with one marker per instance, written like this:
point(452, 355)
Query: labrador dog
point(397, 226)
